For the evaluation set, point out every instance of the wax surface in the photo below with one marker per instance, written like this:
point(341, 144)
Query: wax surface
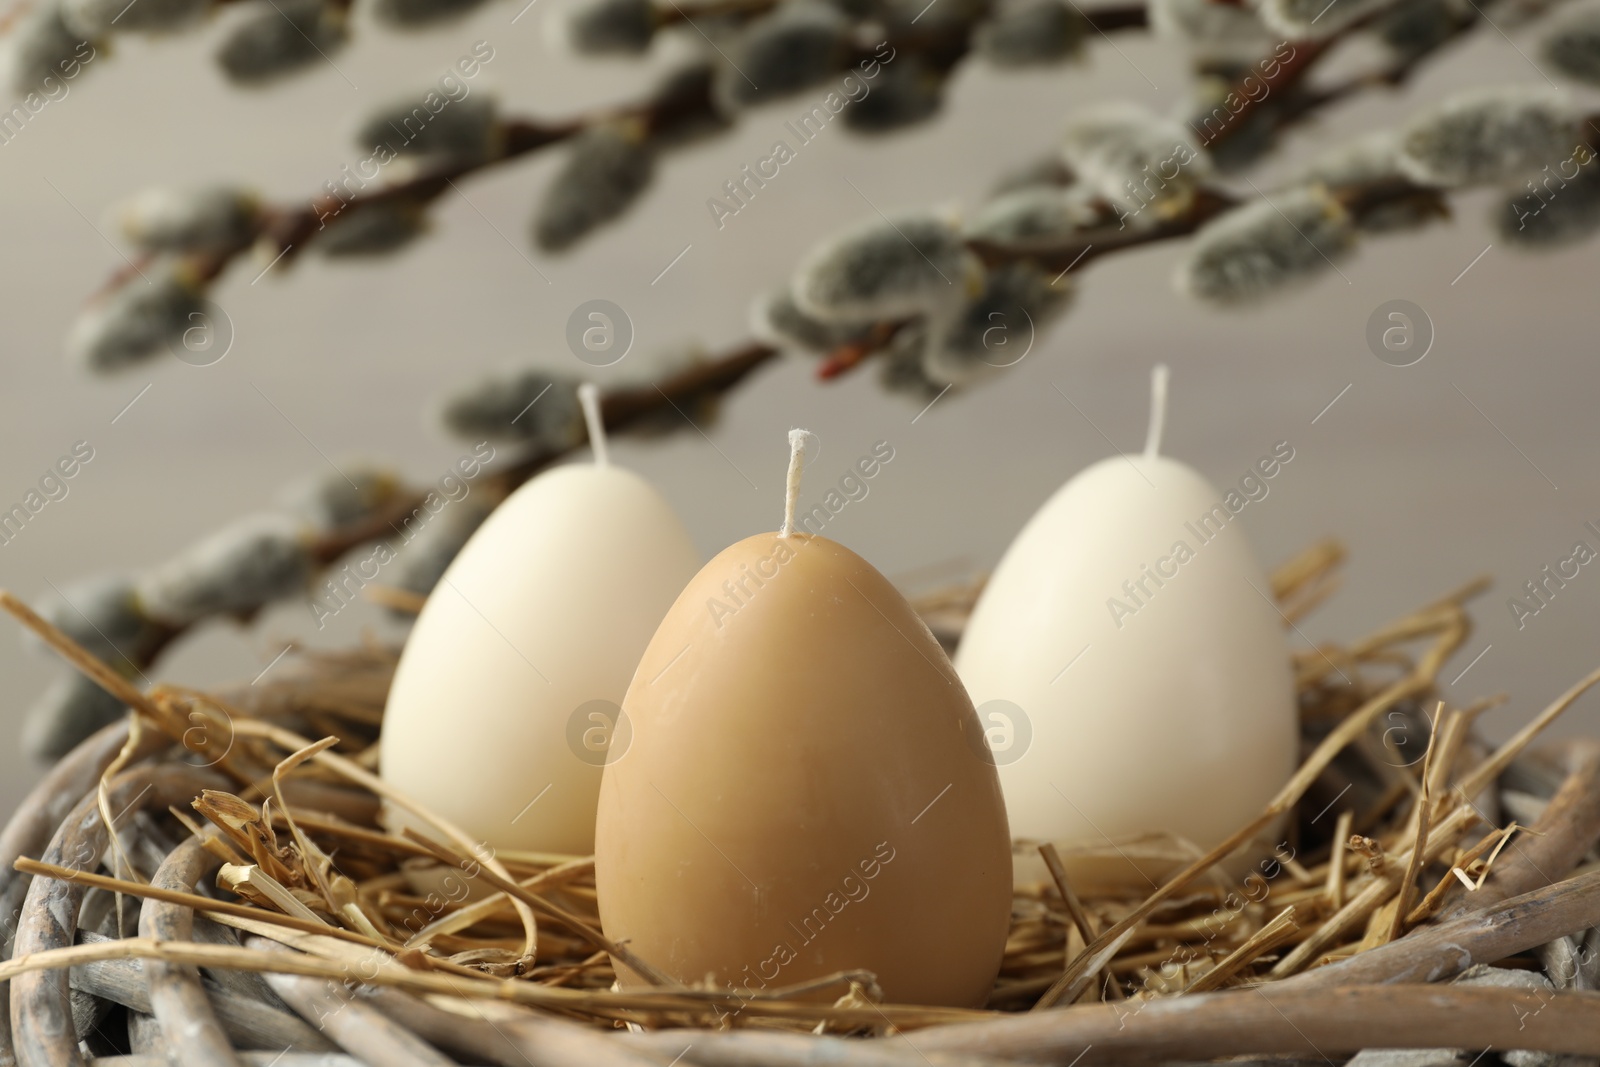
point(801, 795)
point(544, 612)
point(1175, 715)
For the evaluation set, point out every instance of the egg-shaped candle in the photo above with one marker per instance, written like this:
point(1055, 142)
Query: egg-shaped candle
point(506, 699)
point(1127, 657)
point(801, 795)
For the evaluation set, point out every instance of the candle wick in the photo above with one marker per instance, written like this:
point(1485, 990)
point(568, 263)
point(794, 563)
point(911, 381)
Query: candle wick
point(1158, 410)
point(797, 463)
point(589, 397)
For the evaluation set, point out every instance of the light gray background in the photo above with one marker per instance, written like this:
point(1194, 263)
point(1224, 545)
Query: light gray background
point(1426, 491)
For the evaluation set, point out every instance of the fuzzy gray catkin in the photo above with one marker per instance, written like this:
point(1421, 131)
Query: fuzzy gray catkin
point(1029, 33)
point(1572, 45)
point(908, 90)
point(68, 711)
point(1371, 157)
point(99, 18)
point(339, 498)
point(608, 27)
point(1039, 213)
point(1138, 160)
point(422, 12)
point(1218, 101)
point(462, 131)
point(272, 43)
point(1211, 28)
point(375, 229)
point(45, 49)
point(680, 98)
point(886, 268)
point(777, 320)
point(235, 571)
point(135, 321)
point(606, 170)
point(1559, 208)
point(1413, 28)
point(103, 615)
point(1483, 136)
point(800, 43)
point(167, 220)
point(1266, 246)
point(998, 327)
point(901, 364)
point(524, 405)
point(421, 561)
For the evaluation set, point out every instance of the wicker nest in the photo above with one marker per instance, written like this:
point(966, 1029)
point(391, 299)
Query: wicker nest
point(248, 908)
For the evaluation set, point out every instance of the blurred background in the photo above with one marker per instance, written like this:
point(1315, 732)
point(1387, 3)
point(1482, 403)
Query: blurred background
point(1480, 459)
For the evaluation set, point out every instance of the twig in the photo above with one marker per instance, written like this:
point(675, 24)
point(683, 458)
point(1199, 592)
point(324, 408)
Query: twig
point(1565, 831)
point(1264, 1021)
point(1430, 953)
point(177, 998)
point(532, 994)
point(286, 232)
point(1451, 878)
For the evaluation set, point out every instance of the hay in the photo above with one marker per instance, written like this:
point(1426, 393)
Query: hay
point(255, 850)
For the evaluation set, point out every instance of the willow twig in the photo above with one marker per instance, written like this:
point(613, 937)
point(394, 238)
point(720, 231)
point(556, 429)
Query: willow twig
point(1564, 833)
point(1439, 950)
point(1266, 1021)
point(605, 1004)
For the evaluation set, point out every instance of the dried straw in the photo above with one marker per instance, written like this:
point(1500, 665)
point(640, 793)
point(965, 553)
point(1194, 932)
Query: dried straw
point(1409, 882)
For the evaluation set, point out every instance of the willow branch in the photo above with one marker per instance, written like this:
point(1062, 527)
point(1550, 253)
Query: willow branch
point(1083, 246)
point(1309, 1022)
point(286, 231)
point(1291, 74)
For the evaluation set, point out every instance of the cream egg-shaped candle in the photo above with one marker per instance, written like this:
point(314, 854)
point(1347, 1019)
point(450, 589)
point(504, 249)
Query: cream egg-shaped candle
point(802, 795)
point(505, 701)
point(1130, 666)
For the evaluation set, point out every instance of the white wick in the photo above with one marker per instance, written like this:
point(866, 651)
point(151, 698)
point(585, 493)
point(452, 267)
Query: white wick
point(797, 464)
point(589, 397)
point(1158, 410)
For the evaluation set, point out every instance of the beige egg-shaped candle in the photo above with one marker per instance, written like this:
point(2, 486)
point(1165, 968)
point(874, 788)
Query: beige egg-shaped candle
point(506, 698)
point(802, 794)
point(1131, 668)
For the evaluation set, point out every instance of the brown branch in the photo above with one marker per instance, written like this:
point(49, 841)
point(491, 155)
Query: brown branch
point(1264, 1021)
point(1288, 75)
point(1564, 833)
point(1430, 953)
point(1086, 245)
point(1072, 252)
point(288, 230)
point(1292, 73)
point(626, 408)
point(621, 410)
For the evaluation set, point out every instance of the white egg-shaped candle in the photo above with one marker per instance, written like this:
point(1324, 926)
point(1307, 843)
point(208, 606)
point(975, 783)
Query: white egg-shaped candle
point(506, 699)
point(1131, 667)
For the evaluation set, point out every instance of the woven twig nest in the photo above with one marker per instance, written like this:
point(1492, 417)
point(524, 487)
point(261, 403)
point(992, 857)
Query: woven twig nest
point(248, 908)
